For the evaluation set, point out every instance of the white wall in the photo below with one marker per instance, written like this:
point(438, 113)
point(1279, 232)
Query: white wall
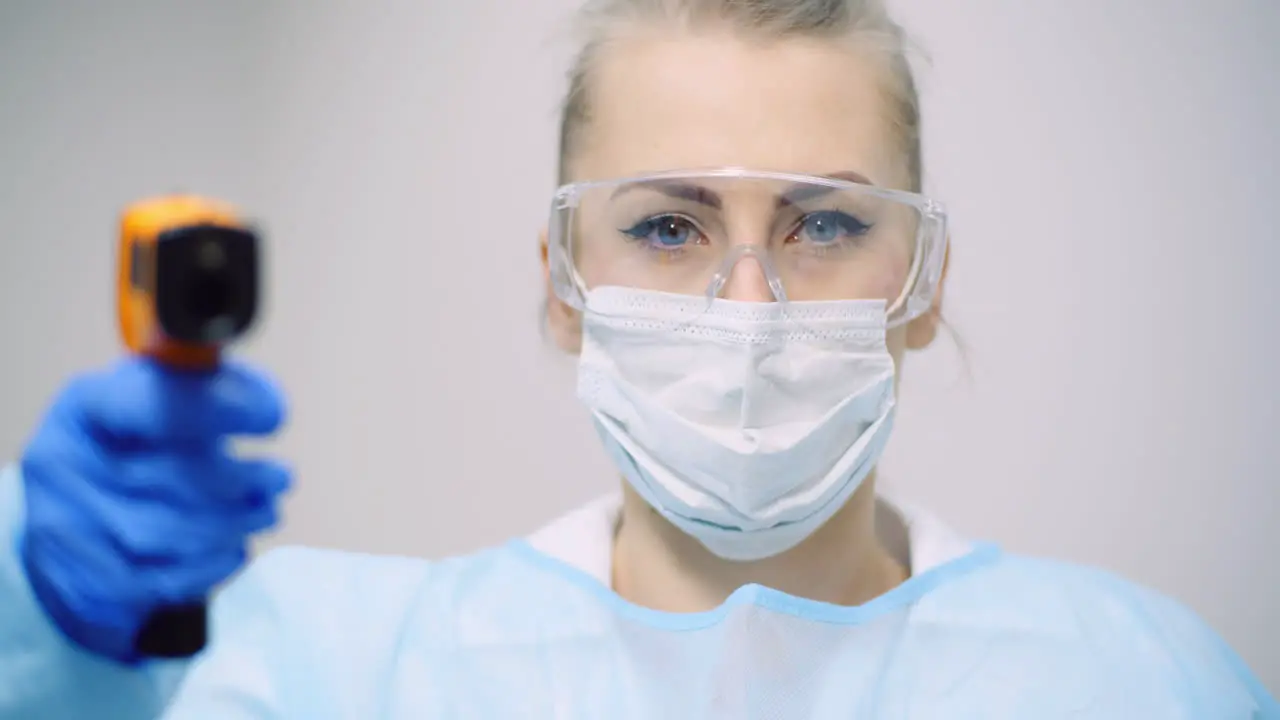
point(1110, 167)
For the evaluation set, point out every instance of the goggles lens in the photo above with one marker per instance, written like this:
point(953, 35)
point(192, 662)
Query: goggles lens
point(748, 236)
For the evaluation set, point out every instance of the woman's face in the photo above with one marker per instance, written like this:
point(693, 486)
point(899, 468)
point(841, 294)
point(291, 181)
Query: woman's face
point(674, 101)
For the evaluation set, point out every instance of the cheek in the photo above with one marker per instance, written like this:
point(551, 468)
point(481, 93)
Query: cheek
point(891, 285)
point(888, 276)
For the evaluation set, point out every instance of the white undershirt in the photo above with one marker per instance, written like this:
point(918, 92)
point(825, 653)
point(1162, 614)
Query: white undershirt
point(583, 538)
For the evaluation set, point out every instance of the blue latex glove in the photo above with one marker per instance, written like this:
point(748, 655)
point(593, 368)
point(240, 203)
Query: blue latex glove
point(134, 500)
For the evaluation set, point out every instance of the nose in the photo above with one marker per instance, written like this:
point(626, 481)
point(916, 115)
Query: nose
point(747, 280)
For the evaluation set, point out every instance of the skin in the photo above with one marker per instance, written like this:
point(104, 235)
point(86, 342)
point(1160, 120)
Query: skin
point(665, 100)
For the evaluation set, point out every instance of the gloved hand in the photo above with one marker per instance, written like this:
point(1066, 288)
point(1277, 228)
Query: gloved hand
point(134, 499)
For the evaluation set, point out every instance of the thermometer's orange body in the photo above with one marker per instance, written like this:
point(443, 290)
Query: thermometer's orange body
point(164, 245)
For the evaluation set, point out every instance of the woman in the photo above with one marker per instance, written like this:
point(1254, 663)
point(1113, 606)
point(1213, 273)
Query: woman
point(740, 258)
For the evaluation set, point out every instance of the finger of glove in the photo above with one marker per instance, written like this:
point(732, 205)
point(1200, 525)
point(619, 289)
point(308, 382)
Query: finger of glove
point(197, 481)
point(88, 591)
point(193, 579)
point(110, 596)
point(192, 479)
point(151, 536)
point(104, 575)
point(139, 400)
point(147, 532)
point(142, 530)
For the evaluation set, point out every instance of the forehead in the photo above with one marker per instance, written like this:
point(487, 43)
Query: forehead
point(681, 101)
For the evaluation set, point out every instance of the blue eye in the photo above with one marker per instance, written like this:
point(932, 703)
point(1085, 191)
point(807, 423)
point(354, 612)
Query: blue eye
point(663, 232)
point(830, 226)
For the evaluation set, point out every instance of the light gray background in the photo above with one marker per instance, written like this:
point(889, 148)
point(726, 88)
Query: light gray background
point(1111, 168)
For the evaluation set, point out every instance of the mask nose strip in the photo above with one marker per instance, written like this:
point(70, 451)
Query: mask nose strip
point(725, 272)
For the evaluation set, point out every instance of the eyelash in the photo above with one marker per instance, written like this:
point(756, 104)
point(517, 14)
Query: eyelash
point(641, 230)
point(851, 226)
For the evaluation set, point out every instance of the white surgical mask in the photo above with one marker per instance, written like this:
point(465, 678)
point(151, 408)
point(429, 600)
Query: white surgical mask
point(747, 425)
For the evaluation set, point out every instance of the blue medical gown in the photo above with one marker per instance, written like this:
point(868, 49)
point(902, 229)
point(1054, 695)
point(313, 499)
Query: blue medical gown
point(512, 633)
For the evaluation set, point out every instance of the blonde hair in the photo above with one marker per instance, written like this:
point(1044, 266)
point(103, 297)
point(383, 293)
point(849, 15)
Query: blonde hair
point(864, 24)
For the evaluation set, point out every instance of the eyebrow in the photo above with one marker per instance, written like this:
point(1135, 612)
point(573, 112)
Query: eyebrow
point(693, 192)
point(801, 193)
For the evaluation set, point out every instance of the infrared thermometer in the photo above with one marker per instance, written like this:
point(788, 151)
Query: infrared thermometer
point(188, 286)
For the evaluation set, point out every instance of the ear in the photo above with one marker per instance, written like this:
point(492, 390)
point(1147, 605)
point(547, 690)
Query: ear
point(922, 330)
point(563, 322)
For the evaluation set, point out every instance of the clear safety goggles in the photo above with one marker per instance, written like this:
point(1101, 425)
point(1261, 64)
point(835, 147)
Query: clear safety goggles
point(748, 235)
